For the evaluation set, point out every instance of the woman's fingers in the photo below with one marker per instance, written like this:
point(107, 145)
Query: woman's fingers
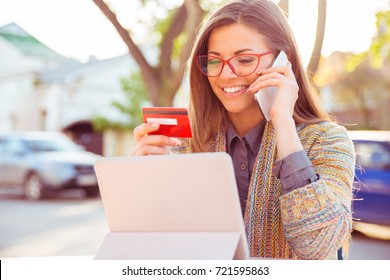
point(158, 140)
point(267, 80)
point(143, 129)
point(281, 77)
point(285, 70)
point(152, 144)
point(275, 79)
point(151, 150)
point(274, 76)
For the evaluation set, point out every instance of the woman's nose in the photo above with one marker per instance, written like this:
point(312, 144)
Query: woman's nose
point(227, 71)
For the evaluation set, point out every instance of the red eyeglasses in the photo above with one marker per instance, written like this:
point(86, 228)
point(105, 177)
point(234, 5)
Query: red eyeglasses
point(242, 64)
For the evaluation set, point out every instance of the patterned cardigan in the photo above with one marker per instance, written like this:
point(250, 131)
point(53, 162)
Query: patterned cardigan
point(311, 222)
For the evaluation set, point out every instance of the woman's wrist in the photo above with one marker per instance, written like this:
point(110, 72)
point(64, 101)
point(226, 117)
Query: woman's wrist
point(283, 121)
point(287, 139)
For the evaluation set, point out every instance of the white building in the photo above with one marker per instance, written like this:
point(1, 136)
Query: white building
point(43, 90)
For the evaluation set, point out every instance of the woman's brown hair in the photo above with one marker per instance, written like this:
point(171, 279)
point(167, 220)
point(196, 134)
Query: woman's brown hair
point(208, 115)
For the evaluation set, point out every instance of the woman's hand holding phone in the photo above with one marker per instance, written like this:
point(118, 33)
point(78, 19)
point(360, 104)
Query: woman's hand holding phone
point(286, 93)
point(276, 89)
point(285, 89)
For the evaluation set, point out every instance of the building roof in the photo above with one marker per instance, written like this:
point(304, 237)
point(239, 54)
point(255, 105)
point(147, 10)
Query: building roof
point(28, 44)
point(71, 73)
point(67, 70)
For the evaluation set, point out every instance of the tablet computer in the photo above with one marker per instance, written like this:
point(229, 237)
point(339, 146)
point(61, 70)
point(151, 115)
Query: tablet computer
point(183, 206)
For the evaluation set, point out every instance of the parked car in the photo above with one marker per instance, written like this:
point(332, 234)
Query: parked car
point(372, 187)
point(45, 162)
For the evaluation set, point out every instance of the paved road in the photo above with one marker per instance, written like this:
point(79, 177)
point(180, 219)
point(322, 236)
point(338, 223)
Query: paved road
point(72, 225)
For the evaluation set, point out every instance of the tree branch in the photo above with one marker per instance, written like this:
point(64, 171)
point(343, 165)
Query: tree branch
point(284, 5)
point(175, 29)
point(316, 53)
point(132, 47)
point(194, 18)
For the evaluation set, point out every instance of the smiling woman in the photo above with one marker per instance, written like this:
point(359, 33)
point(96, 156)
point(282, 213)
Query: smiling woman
point(294, 173)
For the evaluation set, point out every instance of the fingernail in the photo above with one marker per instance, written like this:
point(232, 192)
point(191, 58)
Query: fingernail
point(175, 141)
point(155, 124)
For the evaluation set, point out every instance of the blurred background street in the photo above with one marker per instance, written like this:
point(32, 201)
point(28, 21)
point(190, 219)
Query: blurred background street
point(66, 225)
point(70, 225)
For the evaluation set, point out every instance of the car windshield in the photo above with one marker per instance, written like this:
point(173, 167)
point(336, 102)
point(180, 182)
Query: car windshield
point(51, 145)
point(373, 154)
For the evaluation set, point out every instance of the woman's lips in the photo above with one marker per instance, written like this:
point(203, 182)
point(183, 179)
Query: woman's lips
point(234, 91)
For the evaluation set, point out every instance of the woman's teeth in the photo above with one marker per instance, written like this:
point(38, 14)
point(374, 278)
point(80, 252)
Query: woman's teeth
point(234, 89)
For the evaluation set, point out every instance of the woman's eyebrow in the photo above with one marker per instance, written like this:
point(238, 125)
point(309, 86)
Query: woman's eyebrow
point(242, 51)
point(236, 52)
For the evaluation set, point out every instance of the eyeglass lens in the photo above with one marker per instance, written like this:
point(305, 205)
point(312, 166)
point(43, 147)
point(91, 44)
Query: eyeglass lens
point(241, 65)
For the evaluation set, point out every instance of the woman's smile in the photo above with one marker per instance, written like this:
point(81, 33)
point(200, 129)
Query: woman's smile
point(234, 91)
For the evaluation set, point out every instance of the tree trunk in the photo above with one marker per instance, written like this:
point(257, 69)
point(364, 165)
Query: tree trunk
point(284, 5)
point(172, 78)
point(316, 54)
point(163, 81)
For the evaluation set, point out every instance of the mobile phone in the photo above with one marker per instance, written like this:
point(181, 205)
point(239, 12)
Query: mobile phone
point(266, 96)
point(174, 122)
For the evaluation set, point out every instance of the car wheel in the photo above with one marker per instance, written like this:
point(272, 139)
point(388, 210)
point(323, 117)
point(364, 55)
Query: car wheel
point(91, 192)
point(33, 188)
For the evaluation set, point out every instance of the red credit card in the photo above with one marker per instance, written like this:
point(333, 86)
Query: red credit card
point(174, 122)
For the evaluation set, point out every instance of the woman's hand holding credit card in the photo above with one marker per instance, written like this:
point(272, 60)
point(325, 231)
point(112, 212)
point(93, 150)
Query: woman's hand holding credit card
point(174, 122)
point(161, 129)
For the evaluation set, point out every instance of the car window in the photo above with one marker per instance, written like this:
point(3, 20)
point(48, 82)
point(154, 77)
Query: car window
point(3, 142)
point(373, 154)
point(50, 145)
point(14, 147)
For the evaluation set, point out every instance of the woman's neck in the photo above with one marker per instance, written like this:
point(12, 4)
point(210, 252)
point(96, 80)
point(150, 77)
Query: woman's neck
point(243, 122)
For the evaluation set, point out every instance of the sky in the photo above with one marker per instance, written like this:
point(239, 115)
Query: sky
point(77, 28)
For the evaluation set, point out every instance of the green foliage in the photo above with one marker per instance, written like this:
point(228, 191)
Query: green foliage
point(380, 47)
point(155, 17)
point(162, 26)
point(355, 61)
point(379, 52)
point(178, 44)
point(101, 123)
point(135, 98)
point(367, 78)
